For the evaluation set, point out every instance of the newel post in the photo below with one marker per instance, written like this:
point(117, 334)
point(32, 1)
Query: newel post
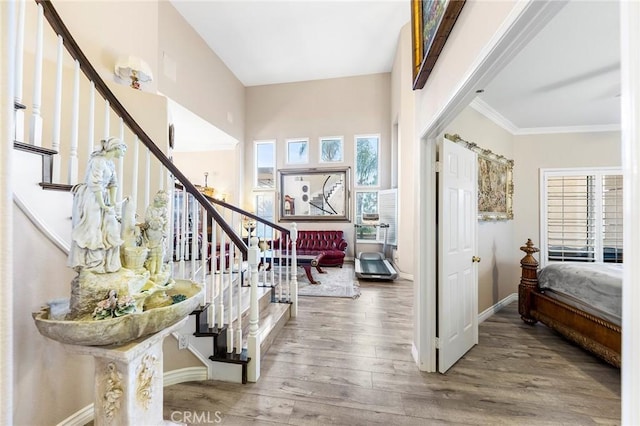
point(253, 340)
point(528, 282)
point(294, 270)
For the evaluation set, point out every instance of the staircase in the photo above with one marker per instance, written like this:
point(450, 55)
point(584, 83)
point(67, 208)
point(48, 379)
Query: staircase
point(321, 202)
point(244, 308)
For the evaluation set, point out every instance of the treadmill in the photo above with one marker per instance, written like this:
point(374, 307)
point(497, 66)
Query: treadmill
point(373, 265)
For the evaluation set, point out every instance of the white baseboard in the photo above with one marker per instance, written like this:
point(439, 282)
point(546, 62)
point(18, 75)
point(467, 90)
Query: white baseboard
point(188, 374)
point(495, 308)
point(79, 418)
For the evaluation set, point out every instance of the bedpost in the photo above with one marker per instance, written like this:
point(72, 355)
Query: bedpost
point(528, 282)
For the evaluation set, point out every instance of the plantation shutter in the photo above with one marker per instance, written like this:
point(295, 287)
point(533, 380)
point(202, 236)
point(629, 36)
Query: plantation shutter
point(571, 218)
point(583, 213)
point(388, 211)
point(612, 218)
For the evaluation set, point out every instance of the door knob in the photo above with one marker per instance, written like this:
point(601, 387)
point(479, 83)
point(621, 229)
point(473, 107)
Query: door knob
point(476, 259)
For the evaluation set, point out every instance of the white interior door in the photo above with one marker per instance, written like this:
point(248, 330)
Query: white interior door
point(457, 248)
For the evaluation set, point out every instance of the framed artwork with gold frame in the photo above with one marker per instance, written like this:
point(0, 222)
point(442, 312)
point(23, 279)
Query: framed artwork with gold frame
point(495, 182)
point(432, 22)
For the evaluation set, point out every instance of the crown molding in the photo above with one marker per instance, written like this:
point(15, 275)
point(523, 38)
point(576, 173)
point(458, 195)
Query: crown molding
point(485, 109)
point(569, 129)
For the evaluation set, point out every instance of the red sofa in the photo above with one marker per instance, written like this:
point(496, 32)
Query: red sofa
point(331, 243)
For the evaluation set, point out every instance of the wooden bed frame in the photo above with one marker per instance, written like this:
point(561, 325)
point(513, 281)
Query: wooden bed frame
point(594, 334)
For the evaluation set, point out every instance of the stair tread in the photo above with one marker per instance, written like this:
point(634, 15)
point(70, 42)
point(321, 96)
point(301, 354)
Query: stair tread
point(210, 331)
point(33, 148)
point(273, 312)
point(56, 186)
point(232, 358)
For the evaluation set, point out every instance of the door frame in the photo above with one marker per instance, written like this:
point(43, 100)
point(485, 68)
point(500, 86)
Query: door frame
point(630, 114)
point(523, 23)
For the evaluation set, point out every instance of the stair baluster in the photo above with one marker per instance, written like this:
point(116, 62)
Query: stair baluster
point(292, 286)
point(35, 132)
point(75, 122)
point(253, 340)
point(19, 64)
point(57, 113)
point(213, 262)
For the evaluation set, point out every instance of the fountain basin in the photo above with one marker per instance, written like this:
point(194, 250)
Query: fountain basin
point(115, 331)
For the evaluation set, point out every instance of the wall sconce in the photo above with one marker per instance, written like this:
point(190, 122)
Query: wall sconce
point(134, 69)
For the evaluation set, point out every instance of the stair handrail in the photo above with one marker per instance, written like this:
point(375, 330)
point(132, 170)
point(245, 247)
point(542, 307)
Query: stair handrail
point(52, 16)
point(242, 212)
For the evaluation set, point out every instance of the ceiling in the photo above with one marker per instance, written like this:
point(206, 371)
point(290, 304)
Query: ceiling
point(276, 41)
point(566, 78)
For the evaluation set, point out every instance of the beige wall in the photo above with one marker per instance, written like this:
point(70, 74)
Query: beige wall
point(105, 30)
point(221, 166)
point(50, 383)
point(336, 107)
point(498, 271)
point(403, 114)
point(547, 151)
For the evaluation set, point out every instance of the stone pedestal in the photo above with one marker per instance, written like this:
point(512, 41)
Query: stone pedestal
point(128, 379)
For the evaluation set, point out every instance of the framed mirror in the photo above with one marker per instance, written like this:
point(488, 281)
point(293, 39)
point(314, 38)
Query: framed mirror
point(315, 194)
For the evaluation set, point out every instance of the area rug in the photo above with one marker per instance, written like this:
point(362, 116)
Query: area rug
point(337, 282)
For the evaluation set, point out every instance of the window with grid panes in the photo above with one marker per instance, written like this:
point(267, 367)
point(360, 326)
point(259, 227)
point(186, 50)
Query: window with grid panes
point(264, 164)
point(582, 215)
point(366, 202)
point(265, 209)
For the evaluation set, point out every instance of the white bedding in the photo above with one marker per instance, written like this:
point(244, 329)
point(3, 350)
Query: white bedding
point(598, 285)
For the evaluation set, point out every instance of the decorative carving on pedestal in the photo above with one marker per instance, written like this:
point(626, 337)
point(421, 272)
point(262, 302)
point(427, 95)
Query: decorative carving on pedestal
point(146, 374)
point(113, 392)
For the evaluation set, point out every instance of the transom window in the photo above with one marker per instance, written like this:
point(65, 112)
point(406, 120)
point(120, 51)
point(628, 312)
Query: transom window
point(581, 215)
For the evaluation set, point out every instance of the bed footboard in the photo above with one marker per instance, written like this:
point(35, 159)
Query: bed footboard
point(592, 333)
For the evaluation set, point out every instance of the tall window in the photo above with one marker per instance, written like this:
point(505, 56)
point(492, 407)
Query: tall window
point(265, 209)
point(265, 164)
point(366, 202)
point(581, 215)
point(367, 164)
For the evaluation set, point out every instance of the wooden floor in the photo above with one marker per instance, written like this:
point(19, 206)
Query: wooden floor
point(348, 362)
